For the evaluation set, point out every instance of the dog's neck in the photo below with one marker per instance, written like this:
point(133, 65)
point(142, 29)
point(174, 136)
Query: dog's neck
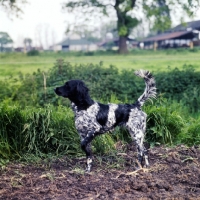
point(82, 103)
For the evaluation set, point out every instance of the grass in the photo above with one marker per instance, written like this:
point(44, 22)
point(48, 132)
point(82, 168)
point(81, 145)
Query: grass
point(13, 63)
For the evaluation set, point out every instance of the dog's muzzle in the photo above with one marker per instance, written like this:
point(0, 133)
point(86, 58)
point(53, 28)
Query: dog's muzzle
point(56, 90)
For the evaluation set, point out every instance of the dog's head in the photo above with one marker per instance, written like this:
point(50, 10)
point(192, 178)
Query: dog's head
point(75, 90)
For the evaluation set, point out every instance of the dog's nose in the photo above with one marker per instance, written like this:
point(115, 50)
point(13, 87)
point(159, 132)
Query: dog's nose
point(57, 91)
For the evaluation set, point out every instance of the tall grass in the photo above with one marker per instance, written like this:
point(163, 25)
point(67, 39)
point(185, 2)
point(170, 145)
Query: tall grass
point(164, 122)
point(42, 131)
point(11, 128)
point(191, 133)
point(51, 130)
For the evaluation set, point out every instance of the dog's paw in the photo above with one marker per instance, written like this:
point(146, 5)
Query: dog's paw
point(146, 166)
point(87, 170)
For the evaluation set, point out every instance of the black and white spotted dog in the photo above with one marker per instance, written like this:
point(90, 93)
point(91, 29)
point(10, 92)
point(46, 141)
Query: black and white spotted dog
point(93, 118)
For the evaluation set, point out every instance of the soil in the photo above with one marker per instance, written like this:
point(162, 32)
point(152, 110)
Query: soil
point(174, 174)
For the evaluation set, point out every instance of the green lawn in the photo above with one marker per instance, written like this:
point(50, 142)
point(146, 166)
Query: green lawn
point(13, 63)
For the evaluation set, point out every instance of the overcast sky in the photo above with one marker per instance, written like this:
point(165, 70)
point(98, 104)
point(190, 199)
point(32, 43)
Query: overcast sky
point(41, 19)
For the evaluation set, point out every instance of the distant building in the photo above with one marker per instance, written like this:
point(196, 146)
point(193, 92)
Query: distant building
point(114, 44)
point(109, 44)
point(76, 44)
point(183, 35)
point(19, 49)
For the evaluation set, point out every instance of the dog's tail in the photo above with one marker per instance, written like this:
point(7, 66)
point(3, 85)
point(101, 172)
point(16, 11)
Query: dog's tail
point(150, 90)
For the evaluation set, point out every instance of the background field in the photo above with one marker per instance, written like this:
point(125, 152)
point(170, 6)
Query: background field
point(12, 64)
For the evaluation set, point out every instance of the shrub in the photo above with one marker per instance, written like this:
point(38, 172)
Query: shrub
point(38, 88)
point(181, 85)
point(191, 133)
point(5, 91)
point(33, 52)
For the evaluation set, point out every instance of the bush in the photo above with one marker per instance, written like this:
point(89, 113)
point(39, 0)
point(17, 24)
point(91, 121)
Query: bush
point(33, 52)
point(38, 89)
point(181, 85)
point(191, 134)
point(5, 91)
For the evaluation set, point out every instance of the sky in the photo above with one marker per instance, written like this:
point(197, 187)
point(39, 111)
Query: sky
point(42, 21)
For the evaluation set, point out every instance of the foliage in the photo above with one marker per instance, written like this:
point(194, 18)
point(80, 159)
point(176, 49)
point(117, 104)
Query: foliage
point(6, 90)
point(51, 130)
point(191, 134)
point(11, 126)
point(4, 39)
point(181, 85)
point(12, 6)
point(37, 131)
point(162, 12)
point(33, 53)
point(125, 21)
point(38, 89)
point(42, 131)
point(29, 123)
point(164, 122)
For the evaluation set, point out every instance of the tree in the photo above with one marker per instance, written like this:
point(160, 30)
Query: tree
point(161, 11)
point(126, 11)
point(12, 6)
point(4, 39)
point(125, 21)
point(94, 34)
point(27, 44)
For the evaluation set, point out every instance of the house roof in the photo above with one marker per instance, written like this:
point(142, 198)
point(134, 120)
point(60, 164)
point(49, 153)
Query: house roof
point(168, 36)
point(182, 31)
point(81, 41)
point(185, 26)
point(115, 41)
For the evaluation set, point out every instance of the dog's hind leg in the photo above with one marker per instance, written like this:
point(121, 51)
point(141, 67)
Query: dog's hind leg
point(86, 147)
point(138, 137)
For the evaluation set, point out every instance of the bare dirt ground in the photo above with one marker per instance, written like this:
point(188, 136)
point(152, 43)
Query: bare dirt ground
point(174, 174)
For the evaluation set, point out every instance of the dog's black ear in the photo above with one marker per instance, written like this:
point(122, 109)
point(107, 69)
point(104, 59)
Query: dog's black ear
point(81, 89)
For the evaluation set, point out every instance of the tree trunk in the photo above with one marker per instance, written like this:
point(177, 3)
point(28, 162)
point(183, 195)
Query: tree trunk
point(122, 45)
point(1, 47)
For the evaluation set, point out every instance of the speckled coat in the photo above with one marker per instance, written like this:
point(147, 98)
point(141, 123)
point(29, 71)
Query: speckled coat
point(93, 118)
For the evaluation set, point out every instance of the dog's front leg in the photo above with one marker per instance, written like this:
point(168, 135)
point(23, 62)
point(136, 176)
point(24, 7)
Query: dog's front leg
point(86, 147)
